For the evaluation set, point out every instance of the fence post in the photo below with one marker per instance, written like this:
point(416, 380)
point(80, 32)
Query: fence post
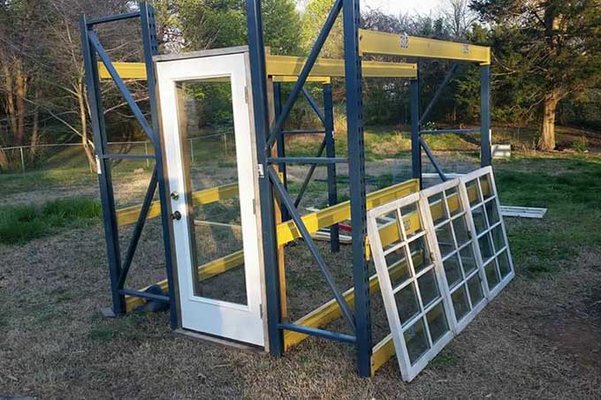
point(146, 153)
point(22, 159)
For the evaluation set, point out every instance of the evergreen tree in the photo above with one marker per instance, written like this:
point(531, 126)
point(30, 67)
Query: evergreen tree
point(548, 50)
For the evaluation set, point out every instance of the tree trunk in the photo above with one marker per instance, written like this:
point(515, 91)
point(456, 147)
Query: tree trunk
point(35, 130)
point(10, 103)
point(15, 85)
point(83, 117)
point(21, 109)
point(3, 160)
point(547, 138)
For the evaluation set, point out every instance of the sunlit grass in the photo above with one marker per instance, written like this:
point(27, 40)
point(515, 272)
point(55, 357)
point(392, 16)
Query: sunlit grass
point(20, 224)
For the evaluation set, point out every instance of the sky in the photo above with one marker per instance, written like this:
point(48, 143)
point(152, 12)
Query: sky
point(396, 7)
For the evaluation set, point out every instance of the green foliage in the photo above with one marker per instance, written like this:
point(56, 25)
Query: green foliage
point(212, 103)
point(21, 224)
point(581, 144)
point(222, 23)
point(314, 16)
point(541, 48)
point(72, 209)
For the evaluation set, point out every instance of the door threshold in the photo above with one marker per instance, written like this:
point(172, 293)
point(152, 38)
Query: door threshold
point(221, 341)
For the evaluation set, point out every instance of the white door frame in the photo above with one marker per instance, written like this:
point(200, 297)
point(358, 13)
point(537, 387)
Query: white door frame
point(242, 323)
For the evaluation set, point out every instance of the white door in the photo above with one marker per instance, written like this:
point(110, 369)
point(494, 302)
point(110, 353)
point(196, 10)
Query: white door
point(210, 156)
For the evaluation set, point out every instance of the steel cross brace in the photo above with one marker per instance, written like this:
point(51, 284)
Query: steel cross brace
point(302, 78)
point(298, 221)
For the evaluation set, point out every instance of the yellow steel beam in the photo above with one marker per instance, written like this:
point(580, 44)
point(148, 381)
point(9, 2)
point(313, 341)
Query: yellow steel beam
point(314, 79)
point(126, 70)
point(371, 42)
point(288, 67)
point(205, 271)
point(129, 215)
point(292, 66)
point(287, 232)
point(381, 353)
point(330, 311)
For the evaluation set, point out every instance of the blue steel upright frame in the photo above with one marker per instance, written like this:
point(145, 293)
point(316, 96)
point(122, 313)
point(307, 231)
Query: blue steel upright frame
point(92, 49)
point(328, 145)
point(418, 119)
point(270, 183)
point(358, 319)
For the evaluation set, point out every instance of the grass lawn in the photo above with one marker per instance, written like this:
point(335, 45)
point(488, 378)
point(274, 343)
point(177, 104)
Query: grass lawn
point(541, 338)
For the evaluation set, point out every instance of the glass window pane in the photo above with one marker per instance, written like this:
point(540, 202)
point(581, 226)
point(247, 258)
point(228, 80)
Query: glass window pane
point(420, 251)
point(468, 259)
point(498, 238)
point(452, 270)
point(411, 220)
point(460, 303)
point(493, 212)
point(473, 192)
point(486, 247)
point(504, 265)
point(416, 340)
point(428, 288)
point(437, 208)
point(491, 274)
point(390, 230)
point(396, 257)
point(486, 185)
point(446, 244)
point(475, 288)
point(461, 231)
point(479, 219)
point(453, 201)
point(206, 122)
point(437, 322)
point(406, 302)
point(399, 272)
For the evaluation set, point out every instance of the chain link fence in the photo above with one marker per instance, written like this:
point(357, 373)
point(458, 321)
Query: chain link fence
point(72, 155)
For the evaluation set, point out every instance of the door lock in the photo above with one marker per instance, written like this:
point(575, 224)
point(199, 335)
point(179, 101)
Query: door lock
point(176, 216)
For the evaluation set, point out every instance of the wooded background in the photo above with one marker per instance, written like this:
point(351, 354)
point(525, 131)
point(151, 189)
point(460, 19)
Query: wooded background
point(546, 62)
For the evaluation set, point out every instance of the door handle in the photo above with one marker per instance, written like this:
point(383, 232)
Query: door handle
point(176, 216)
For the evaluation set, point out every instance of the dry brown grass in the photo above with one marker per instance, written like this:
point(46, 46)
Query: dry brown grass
point(539, 339)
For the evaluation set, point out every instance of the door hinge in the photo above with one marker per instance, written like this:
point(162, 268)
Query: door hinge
point(246, 94)
point(261, 170)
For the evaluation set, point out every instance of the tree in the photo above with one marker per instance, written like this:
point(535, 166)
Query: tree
point(222, 23)
point(553, 47)
point(459, 18)
point(314, 16)
point(20, 63)
point(42, 74)
point(63, 45)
